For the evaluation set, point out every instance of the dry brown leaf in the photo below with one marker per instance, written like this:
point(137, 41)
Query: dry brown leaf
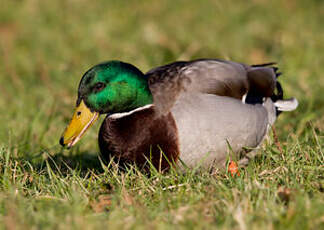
point(103, 203)
point(284, 194)
point(128, 199)
point(233, 169)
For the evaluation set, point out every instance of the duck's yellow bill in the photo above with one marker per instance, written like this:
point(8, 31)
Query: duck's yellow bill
point(81, 121)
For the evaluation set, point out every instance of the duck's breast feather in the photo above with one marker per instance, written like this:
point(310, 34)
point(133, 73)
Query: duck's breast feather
point(140, 136)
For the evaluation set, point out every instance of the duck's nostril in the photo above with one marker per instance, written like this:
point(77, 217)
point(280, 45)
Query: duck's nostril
point(62, 141)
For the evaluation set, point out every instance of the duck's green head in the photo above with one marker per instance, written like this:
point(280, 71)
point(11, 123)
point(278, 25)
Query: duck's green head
point(110, 87)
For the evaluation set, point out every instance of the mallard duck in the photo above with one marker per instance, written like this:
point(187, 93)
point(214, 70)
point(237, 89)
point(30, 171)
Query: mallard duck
point(186, 113)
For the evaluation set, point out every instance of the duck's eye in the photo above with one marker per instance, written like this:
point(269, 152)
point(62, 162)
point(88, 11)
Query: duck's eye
point(99, 86)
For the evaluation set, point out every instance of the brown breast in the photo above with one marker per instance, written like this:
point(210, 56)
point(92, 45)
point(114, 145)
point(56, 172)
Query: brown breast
point(140, 136)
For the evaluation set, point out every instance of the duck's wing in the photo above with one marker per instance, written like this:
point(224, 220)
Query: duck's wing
point(209, 76)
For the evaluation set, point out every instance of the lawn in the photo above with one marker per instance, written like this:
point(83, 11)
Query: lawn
point(46, 46)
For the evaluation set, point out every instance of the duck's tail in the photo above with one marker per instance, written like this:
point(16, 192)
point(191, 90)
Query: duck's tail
point(286, 105)
point(277, 97)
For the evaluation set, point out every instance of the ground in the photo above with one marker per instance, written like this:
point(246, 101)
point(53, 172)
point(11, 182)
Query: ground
point(45, 48)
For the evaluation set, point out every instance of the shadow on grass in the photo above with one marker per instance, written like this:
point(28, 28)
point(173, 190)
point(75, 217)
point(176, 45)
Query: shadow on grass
point(84, 162)
point(64, 164)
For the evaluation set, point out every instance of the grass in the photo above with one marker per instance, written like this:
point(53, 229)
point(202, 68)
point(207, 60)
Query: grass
point(47, 45)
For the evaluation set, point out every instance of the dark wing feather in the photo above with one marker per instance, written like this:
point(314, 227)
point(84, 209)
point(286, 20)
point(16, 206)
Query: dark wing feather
point(210, 76)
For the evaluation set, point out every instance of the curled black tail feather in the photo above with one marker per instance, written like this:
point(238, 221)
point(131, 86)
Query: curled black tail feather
point(265, 64)
point(279, 94)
